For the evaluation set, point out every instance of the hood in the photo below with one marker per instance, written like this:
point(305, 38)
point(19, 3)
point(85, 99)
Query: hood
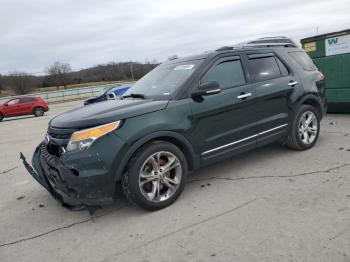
point(105, 112)
point(94, 97)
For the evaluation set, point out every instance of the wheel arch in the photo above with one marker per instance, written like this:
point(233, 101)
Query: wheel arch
point(181, 142)
point(311, 100)
point(37, 106)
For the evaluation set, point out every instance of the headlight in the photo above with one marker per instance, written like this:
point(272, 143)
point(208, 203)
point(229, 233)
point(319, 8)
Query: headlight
point(83, 139)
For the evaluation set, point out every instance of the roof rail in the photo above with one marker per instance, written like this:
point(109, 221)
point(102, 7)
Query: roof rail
point(269, 45)
point(172, 57)
point(273, 41)
point(224, 48)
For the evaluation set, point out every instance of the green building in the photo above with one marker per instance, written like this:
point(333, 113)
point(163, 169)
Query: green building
point(331, 53)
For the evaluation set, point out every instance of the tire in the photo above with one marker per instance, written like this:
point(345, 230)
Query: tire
point(38, 111)
point(151, 160)
point(1, 117)
point(304, 132)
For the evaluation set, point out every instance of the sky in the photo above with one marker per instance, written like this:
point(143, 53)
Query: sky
point(84, 33)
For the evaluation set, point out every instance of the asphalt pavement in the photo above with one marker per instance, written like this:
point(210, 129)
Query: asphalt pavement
point(270, 204)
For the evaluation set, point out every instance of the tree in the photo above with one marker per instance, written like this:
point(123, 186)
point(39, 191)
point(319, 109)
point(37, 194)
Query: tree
point(2, 83)
point(59, 73)
point(20, 82)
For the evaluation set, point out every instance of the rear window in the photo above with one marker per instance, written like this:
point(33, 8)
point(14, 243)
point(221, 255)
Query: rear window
point(27, 99)
point(303, 60)
point(263, 68)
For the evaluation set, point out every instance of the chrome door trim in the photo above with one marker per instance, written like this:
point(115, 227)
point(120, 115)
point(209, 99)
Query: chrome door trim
point(243, 139)
point(213, 91)
point(272, 129)
point(230, 144)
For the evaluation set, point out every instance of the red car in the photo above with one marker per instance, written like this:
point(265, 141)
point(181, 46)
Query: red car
point(23, 105)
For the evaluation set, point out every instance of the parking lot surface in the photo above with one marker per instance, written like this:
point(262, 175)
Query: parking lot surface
point(271, 204)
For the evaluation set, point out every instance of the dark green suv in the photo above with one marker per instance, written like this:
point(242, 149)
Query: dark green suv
point(185, 114)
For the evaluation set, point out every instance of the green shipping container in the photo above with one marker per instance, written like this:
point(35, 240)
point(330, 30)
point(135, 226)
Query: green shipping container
point(331, 53)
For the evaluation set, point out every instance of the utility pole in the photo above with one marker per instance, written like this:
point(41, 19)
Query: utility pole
point(132, 72)
point(317, 30)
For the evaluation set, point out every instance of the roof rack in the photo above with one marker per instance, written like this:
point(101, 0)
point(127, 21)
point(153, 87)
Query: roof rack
point(271, 41)
point(274, 41)
point(269, 45)
point(224, 48)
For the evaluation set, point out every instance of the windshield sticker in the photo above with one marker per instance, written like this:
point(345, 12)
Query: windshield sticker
point(183, 67)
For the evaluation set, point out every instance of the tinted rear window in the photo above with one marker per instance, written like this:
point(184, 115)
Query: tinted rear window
point(283, 68)
point(303, 60)
point(263, 68)
point(27, 100)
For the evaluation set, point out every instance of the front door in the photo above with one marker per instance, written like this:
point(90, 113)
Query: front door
point(11, 108)
point(225, 122)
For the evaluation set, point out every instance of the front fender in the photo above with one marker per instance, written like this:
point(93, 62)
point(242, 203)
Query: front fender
point(192, 157)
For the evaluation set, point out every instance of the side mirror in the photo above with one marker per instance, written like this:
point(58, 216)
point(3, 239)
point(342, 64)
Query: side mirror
point(6, 104)
point(206, 89)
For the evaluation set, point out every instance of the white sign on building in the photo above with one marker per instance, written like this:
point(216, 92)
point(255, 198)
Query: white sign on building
point(337, 45)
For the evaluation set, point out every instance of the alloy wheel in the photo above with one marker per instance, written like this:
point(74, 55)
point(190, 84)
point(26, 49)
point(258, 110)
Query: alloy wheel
point(38, 112)
point(308, 127)
point(160, 176)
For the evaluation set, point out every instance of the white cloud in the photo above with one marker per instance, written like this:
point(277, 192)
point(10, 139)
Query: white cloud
point(84, 32)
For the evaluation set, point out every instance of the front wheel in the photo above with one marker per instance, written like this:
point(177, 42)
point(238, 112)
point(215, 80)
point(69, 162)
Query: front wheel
point(38, 111)
point(305, 128)
point(156, 175)
point(1, 117)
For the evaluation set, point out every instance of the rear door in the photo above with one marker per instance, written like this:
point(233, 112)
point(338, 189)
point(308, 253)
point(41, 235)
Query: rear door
point(224, 123)
point(274, 84)
point(26, 105)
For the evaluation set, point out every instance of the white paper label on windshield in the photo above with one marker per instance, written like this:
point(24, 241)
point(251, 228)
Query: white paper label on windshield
point(184, 67)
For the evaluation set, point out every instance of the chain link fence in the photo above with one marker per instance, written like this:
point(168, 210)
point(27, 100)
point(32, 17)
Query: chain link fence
point(67, 94)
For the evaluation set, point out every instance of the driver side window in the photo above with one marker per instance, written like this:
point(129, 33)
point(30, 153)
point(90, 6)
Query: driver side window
point(13, 102)
point(227, 73)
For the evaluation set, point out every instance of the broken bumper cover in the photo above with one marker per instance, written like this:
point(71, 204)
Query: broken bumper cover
point(71, 190)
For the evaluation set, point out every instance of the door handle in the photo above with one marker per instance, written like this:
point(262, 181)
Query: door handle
point(244, 95)
point(292, 83)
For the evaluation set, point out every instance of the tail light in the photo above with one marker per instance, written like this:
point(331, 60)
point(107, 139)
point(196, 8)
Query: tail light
point(322, 76)
point(321, 83)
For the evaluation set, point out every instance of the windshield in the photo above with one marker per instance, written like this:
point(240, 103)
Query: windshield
point(164, 79)
point(102, 91)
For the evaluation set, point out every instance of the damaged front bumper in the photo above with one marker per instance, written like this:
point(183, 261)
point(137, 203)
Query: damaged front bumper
point(67, 185)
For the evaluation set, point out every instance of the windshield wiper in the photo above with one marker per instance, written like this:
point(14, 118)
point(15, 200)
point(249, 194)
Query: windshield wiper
point(135, 96)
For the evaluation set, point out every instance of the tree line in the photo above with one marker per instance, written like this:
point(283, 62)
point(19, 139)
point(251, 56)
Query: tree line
point(61, 75)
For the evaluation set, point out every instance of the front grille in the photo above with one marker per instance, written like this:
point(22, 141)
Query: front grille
point(52, 165)
point(60, 133)
point(58, 139)
point(54, 149)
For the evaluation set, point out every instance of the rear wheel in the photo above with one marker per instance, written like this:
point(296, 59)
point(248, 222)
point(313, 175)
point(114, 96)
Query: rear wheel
point(305, 129)
point(38, 111)
point(156, 175)
point(1, 117)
